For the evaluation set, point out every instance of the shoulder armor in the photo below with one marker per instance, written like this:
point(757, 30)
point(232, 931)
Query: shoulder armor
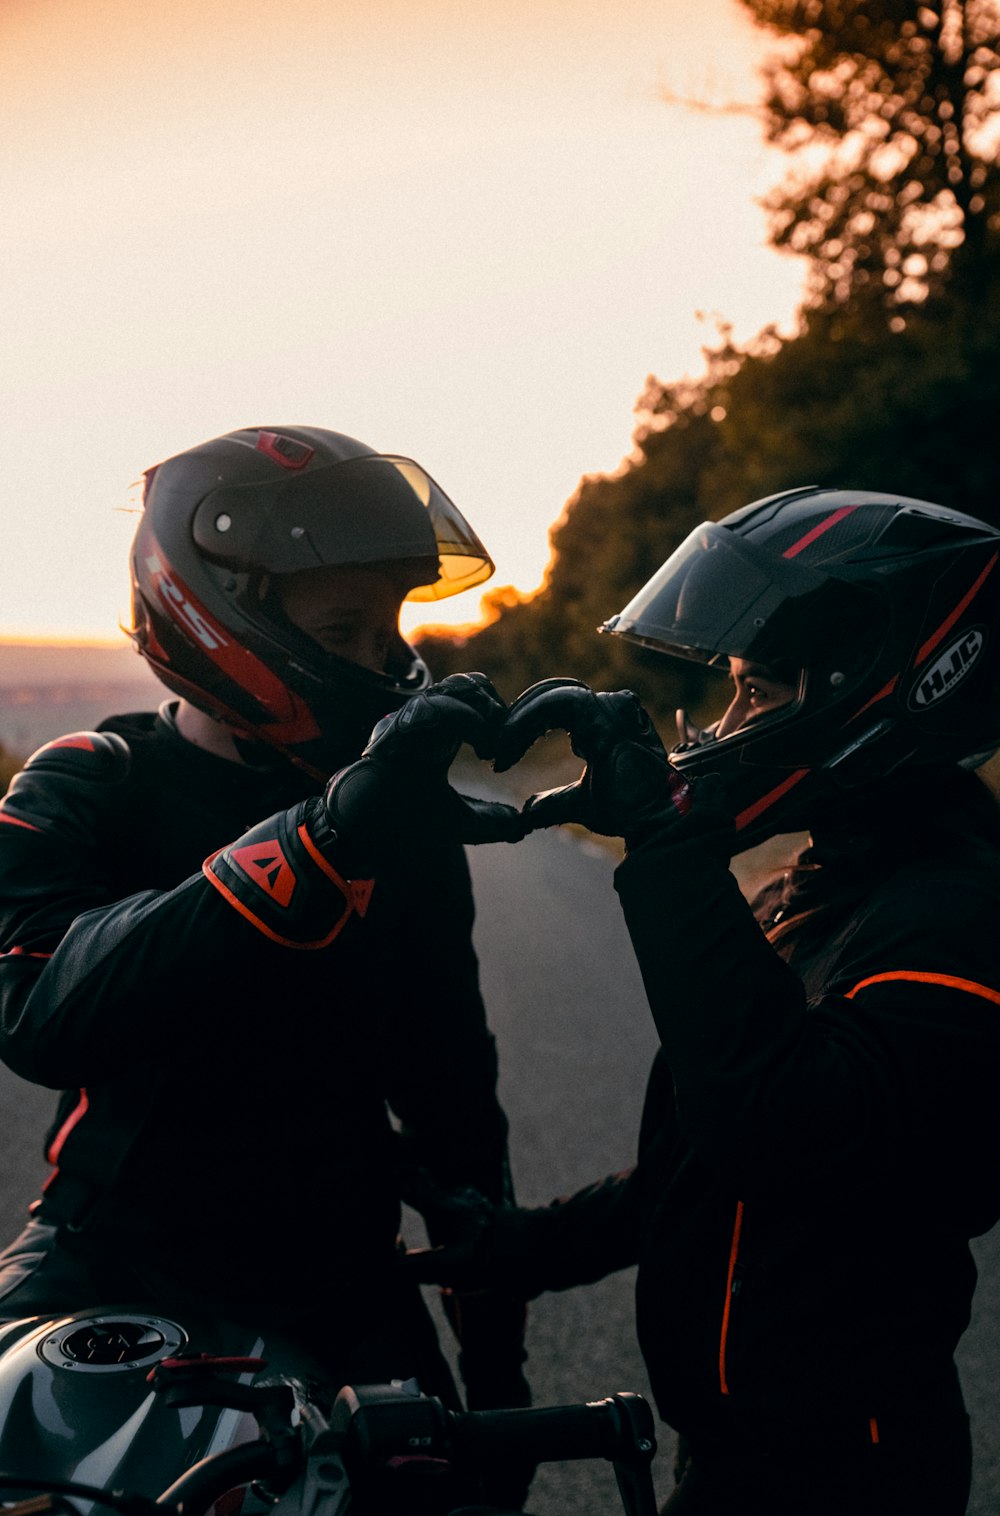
point(63, 781)
point(94, 755)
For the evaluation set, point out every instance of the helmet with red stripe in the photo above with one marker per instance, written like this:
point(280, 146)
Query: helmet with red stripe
point(882, 613)
point(224, 521)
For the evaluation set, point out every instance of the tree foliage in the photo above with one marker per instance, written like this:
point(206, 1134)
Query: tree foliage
point(890, 111)
point(891, 382)
point(614, 532)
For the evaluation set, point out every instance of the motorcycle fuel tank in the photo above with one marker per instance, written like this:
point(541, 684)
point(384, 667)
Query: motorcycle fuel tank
point(76, 1402)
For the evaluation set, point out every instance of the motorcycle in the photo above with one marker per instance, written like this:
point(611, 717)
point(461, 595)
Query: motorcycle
point(145, 1415)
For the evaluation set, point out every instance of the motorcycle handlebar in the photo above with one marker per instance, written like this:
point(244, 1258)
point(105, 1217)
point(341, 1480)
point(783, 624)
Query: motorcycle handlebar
point(379, 1423)
point(614, 1429)
point(374, 1427)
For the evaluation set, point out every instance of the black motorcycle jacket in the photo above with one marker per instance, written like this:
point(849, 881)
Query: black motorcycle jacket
point(230, 1107)
point(821, 1134)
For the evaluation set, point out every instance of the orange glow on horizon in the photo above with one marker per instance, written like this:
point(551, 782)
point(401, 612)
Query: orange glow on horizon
point(42, 639)
point(461, 235)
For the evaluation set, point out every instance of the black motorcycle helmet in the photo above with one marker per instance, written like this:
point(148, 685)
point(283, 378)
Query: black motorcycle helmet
point(883, 611)
point(223, 520)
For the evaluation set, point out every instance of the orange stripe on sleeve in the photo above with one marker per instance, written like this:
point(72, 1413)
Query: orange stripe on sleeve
point(947, 981)
point(76, 1115)
point(733, 1255)
point(10, 820)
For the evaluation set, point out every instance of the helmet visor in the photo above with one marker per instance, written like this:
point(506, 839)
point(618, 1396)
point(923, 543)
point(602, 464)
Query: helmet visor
point(719, 596)
point(364, 510)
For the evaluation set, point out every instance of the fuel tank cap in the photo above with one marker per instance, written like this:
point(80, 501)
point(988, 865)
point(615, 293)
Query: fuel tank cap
point(109, 1344)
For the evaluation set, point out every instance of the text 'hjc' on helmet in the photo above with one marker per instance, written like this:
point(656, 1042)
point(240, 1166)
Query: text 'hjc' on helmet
point(223, 520)
point(885, 610)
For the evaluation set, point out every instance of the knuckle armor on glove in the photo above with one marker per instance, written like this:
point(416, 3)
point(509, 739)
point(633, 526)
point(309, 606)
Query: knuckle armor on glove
point(397, 796)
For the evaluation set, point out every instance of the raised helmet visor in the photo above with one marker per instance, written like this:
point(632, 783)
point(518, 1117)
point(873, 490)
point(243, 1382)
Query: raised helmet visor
point(719, 596)
point(372, 509)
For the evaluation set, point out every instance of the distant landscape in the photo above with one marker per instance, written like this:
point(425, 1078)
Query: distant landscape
point(47, 689)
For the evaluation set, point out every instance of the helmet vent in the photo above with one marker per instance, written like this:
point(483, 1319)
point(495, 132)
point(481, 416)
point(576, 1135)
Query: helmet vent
point(842, 534)
point(284, 450)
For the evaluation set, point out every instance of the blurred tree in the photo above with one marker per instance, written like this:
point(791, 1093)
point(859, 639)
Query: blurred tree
point(891, 112)
point(910, 412)
point(890, 383)
point(614, 532)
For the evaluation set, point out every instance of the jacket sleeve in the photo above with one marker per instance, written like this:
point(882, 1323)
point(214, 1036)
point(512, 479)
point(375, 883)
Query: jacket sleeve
point(91, 985)
point(578, 1238)
point(893, 1064)
point(441, 1056)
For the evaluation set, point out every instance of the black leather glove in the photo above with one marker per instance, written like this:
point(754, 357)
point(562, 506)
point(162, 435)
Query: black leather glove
point(629, 788)
point(494, 1252)
point(301, 875)
point(488, 1322)
point(397, 795)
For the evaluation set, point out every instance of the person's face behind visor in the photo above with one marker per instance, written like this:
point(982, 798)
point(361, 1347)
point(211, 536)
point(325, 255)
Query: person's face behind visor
point(758, 692)
point(352, 612)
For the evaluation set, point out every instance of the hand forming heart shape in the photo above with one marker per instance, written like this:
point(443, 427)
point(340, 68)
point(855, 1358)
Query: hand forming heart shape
point(398, 796)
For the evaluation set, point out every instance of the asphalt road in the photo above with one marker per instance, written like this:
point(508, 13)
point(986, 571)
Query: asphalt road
point(575, 1042)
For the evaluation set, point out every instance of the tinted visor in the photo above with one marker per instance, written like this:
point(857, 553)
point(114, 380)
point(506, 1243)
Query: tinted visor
point(719, 596)
point(364, 510)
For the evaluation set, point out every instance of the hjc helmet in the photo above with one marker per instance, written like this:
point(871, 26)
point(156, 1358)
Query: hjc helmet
point(223, 519)
point(885, 610)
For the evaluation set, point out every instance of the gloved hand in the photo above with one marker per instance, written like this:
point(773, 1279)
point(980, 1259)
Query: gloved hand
point(397, 795)
point(629, 788)
point(299, 876)
point(493, 1252)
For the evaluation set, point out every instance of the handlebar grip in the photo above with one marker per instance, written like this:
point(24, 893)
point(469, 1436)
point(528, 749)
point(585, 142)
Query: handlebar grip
point(615, 1429)
point(375, 1424)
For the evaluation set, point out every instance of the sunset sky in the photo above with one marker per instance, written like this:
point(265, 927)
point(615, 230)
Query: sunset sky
point(462, 233)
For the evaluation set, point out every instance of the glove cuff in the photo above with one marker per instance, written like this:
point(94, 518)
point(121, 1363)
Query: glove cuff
point(697, 814)
point(280, 878)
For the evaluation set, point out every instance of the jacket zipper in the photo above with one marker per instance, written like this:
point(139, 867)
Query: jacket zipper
point(732, 1286)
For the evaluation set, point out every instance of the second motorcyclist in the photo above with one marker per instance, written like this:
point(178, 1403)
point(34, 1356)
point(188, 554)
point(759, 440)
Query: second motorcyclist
point(819, 1141)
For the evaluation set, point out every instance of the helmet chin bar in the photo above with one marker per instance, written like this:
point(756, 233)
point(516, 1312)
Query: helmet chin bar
point(872, 755)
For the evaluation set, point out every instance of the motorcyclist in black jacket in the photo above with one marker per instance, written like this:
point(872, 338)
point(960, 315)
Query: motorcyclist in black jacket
point(820, 1137)
point(238, 966)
